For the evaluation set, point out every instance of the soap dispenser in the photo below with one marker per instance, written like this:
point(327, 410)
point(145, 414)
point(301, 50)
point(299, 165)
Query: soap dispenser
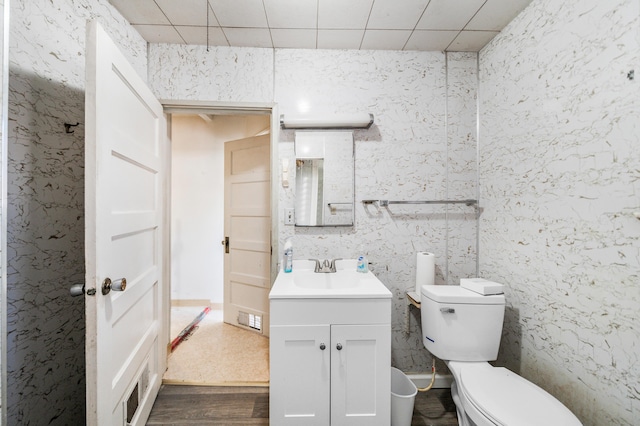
point(287, 258)
point(363, 263)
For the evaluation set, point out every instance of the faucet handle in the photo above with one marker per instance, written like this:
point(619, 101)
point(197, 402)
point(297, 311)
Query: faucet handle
point(317, 266)
point(333, 264)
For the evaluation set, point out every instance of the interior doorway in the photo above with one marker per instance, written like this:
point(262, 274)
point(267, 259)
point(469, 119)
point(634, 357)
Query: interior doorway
point(214, 352)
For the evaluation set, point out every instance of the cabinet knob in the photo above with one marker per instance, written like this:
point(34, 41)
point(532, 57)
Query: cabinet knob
point(322, 346)
point(339, 346)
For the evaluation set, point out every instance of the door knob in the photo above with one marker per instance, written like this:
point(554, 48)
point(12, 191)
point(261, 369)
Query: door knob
point(117, 285)
point(79, 290)
point(322, 346)
point(339, 346)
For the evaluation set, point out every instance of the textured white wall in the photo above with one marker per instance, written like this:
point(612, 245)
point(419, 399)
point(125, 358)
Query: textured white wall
point(45, 342)
point(559, 181)
point(406, 155)
point(4, 89)
point(224, 74)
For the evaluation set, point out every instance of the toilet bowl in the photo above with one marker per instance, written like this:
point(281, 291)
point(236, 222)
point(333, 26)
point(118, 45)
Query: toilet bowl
point(463, 328)
point(496, 396)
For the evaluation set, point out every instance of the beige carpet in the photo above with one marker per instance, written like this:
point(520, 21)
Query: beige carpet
point(216, 353)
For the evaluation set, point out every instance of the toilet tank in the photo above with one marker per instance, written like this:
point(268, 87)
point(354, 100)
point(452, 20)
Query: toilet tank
point(460, 325)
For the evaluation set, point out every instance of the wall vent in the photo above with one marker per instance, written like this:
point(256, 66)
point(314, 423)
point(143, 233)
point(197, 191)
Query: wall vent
point(132, 404)
point(137, 394)
point(250, 320)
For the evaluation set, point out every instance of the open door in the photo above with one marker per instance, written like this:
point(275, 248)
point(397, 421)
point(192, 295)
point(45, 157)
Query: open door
point(247, 227)
point(125, 184)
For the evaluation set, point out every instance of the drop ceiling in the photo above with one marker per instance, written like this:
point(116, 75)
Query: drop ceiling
point(430, 25)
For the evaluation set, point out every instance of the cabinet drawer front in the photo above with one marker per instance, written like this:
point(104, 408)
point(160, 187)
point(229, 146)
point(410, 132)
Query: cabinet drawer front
point(330, 311)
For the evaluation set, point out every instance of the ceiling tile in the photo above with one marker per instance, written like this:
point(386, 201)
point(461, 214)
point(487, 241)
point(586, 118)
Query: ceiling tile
point(448, 15)
point(291, 13)
point(430, 40)
point(239, 13)
point(387, 14)
point(187, 12)
point(216, 37)
point(495, 14)
point(198, 35)
point(341, 14)
point(248, 37)
point(293, 38)
point(340, 39)
point(159, 34)
point(471, 41)
point(140, 12)
point(385, 39)
point(192, 35)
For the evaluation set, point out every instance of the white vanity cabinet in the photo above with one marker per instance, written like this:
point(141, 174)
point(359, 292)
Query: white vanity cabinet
point(330, 361)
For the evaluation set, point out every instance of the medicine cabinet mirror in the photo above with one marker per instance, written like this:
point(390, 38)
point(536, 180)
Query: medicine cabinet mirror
point(324, 178)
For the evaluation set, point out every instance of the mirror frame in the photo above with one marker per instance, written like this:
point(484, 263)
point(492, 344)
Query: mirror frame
point(319, 153)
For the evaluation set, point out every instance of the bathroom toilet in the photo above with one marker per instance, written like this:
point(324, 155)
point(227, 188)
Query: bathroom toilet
point(463, 328)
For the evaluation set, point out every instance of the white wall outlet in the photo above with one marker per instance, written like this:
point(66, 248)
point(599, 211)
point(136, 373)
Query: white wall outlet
point(289, 216)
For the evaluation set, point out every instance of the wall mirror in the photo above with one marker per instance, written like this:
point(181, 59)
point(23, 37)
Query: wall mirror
point(324, 178)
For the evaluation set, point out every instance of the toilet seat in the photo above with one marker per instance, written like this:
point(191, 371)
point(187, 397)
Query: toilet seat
point(506, 399)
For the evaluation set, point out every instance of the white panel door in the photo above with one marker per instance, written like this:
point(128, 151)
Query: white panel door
point(300, 375)
point(124, 215)
point(247, 227)
point(360, 375)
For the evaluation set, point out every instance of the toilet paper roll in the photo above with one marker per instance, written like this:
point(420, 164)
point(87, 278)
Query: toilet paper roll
point(425, 270)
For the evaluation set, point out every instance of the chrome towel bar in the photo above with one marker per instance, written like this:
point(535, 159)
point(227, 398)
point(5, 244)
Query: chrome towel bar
point(385, 203)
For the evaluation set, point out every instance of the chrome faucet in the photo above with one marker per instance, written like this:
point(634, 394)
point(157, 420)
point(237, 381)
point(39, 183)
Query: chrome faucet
point(327, 266)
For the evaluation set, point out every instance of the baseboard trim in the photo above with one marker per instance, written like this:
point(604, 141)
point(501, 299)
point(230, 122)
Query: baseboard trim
point(443, 381)
point(190, 302)
point(225, 384)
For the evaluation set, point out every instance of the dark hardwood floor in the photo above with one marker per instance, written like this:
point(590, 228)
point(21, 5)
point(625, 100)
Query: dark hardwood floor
point(434, 408)
point(178, 405)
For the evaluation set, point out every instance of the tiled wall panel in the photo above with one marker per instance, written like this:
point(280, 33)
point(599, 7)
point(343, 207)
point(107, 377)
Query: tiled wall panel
point(559, 183)
point(221, 74)
point(405, 155)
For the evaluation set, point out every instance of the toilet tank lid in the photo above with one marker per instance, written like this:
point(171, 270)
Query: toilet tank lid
point(458, 294)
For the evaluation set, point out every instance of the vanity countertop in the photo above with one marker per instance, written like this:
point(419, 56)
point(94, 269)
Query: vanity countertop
point(345, 283)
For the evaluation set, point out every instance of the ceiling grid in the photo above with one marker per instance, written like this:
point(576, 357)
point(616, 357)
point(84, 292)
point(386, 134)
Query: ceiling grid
point(427, 25)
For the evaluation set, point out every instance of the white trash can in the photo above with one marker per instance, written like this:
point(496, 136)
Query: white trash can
point(403, 396)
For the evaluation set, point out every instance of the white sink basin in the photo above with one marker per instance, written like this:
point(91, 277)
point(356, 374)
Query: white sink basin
point(303, 282)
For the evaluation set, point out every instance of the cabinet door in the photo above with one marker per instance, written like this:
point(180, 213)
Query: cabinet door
point(360, 375)
point(300, 375)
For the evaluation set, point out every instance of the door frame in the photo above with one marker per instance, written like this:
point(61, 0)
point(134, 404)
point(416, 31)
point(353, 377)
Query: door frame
point(225, 108)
